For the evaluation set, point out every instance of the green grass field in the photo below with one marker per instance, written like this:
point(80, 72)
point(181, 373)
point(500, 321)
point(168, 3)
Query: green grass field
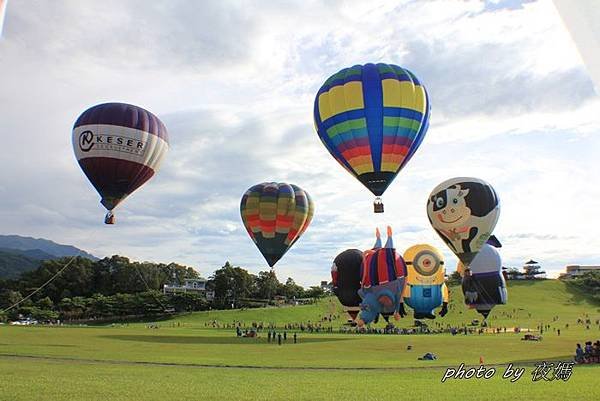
point(188, 359)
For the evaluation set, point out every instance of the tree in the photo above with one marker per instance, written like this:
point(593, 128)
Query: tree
point(9, 298)
point(315, 292)
point(588, 283)
point(292, 290)
point(455, 278)
point(512, 273)
point(45, 303)
point(266, 284)
point(187, 302)
point(100, 306)
point(231, 283)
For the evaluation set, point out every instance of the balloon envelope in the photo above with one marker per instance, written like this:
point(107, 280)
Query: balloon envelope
point(346, 276)
point(372, 118)
point(425, 280)
point(2, 13)
point(119, 147)
point(464, 212)
point(485, 287)
point(275, 216)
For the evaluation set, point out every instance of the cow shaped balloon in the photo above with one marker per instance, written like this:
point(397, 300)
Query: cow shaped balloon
point(464, 212)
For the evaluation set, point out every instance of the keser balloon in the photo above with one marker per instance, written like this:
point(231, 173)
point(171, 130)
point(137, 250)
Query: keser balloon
point(119, 147)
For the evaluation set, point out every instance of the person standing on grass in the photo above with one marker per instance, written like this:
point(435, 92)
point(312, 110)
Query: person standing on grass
point(295, 338)
point(279, 338)
point(579, 354)
point(285, 336)
point(269, 336)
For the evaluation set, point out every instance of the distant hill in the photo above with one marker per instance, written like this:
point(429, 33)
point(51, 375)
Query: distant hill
point(529, 303)
point(30, 253)
point(20, 254)
point(12, 263)
point(44, 245)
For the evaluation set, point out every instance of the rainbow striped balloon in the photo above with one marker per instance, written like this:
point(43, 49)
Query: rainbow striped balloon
point(275, 216)
point(372, 118)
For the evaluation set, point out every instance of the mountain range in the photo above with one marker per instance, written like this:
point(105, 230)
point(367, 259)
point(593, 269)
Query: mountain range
point(20, 254)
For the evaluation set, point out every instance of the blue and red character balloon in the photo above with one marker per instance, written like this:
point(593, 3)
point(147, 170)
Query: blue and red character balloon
point(382, 283)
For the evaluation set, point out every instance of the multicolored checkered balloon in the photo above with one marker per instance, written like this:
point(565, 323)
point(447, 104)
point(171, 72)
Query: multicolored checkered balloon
point(275, 216)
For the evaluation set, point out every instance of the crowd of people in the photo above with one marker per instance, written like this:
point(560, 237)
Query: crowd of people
point(325, 324)
point(588, 354)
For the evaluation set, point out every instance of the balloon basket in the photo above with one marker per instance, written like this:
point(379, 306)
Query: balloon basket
point(109, 218)
point(378, 205)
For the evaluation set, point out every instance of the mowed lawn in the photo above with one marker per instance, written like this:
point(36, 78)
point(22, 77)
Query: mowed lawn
point(223, 348)
point(62, 380)
point(188, 359)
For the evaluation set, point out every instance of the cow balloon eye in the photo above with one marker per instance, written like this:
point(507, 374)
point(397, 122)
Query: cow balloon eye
point(439, 202)
point(455, 201)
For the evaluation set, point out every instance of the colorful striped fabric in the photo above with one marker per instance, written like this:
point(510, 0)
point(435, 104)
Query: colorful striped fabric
point(275, 216)
point(381, 266)
point(372, 118)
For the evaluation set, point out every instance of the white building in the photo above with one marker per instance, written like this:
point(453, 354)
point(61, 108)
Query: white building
point(578, 270)
point(191, 285)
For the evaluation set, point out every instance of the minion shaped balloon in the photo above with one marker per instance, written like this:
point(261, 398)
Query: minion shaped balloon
point(425, 288)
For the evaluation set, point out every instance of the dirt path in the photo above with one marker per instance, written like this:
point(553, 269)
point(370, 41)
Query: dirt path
point(214, 366)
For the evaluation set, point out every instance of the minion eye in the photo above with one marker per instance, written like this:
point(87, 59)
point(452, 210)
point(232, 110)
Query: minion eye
point(426, 263)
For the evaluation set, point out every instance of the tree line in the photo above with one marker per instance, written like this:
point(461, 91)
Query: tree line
point(115, 287)
point(588, 283)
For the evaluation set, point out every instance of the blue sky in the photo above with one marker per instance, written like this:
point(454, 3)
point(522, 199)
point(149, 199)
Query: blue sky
point(234, 83)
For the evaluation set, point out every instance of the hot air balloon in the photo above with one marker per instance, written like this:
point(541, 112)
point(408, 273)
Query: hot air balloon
point(483, 284)
point(119, 147)
point(425, 287)
point(275, 216)
point(382, 282)
point(346, 275)
point(372, 119)
point(3, 4)
point(464, 212)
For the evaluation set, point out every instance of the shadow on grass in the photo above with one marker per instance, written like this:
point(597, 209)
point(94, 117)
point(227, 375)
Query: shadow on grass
point(215, 340)
point(578, 296)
